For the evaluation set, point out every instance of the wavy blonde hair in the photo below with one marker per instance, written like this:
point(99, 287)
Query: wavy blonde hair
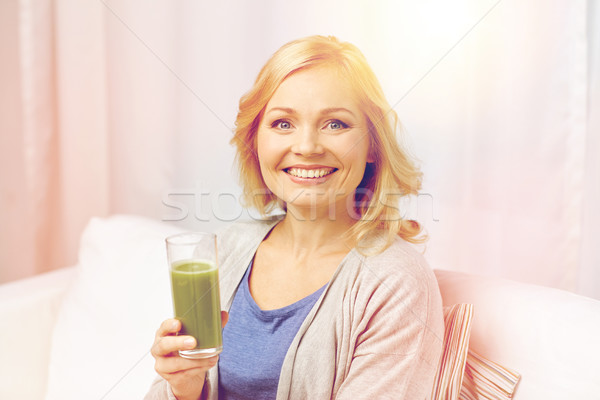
point(392, 173)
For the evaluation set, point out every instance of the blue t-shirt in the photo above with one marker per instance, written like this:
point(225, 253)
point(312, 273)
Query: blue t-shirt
point(255, 343)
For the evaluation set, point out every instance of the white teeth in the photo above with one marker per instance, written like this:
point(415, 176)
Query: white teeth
point(309, 173)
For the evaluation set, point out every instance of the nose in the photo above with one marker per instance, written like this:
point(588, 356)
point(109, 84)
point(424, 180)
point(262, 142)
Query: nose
point(307, 142)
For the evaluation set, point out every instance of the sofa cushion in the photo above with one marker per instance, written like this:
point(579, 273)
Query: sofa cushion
point(106, 324)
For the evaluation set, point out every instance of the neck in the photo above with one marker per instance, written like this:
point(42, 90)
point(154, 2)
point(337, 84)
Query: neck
point(314, 231)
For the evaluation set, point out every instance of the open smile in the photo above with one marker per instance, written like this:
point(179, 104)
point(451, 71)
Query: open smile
point(312, 173)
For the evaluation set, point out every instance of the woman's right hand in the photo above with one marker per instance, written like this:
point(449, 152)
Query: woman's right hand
point(186, 376)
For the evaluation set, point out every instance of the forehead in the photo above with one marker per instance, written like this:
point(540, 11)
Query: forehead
point(315, 87)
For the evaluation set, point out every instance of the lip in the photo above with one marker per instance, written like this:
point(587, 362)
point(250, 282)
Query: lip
point(308, 166)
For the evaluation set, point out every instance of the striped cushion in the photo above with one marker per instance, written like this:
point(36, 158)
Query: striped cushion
point(464, 374)
point(448, 381)
point(485, 379)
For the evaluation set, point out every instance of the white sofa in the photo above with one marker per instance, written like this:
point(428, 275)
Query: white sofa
point(84, 332)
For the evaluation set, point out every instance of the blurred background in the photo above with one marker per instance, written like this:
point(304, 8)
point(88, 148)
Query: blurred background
point(128, 106)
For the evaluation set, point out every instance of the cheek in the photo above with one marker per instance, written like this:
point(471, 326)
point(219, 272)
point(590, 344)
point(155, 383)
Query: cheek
point(356, 152)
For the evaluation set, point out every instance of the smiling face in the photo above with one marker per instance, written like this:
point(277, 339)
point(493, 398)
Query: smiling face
point(313, 141)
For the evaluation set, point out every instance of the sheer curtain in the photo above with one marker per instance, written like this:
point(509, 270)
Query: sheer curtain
point(28, 142)
point(589, 272)
point(498, 100)
point(53, 131)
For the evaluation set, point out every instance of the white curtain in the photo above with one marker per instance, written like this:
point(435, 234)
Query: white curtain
point(498, 99)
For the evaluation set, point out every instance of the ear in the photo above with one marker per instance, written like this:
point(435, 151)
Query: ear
point(370, 155)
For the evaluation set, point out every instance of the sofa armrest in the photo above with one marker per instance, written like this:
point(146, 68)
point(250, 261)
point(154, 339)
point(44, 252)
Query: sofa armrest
point(28, 309)
point(549, 336)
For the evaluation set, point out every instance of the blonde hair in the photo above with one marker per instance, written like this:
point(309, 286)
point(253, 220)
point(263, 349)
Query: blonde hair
point(392, 172)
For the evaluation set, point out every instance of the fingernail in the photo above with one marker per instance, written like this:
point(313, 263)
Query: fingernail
point(189, 342)
point(174, 326)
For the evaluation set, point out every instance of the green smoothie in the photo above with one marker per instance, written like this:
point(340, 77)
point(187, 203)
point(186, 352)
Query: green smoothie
point(196, 301)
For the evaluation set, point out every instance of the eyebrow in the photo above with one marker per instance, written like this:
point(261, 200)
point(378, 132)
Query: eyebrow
point(329, 110)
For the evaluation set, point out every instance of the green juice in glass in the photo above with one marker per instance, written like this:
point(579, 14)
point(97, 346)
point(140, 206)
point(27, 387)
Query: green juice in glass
point(197, 305)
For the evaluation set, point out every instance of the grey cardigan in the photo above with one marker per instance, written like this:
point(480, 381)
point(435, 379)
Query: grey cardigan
point(376, 332)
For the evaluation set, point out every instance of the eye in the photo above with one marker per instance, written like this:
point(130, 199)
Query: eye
point(281, 124)
point(336, 124)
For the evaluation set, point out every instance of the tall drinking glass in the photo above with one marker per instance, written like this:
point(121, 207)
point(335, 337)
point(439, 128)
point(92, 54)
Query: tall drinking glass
point(195, 287)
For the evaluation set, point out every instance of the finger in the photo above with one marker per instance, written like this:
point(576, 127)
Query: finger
point(224, 318)
point(166, 346)
point(168, 327)
point(176, 365)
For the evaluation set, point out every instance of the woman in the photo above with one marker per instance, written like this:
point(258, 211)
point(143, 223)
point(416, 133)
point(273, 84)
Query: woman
point(329, 300)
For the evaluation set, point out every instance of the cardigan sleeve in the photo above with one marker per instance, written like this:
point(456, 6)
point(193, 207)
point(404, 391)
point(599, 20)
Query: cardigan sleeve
point(398, 336)
point(160, 390)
